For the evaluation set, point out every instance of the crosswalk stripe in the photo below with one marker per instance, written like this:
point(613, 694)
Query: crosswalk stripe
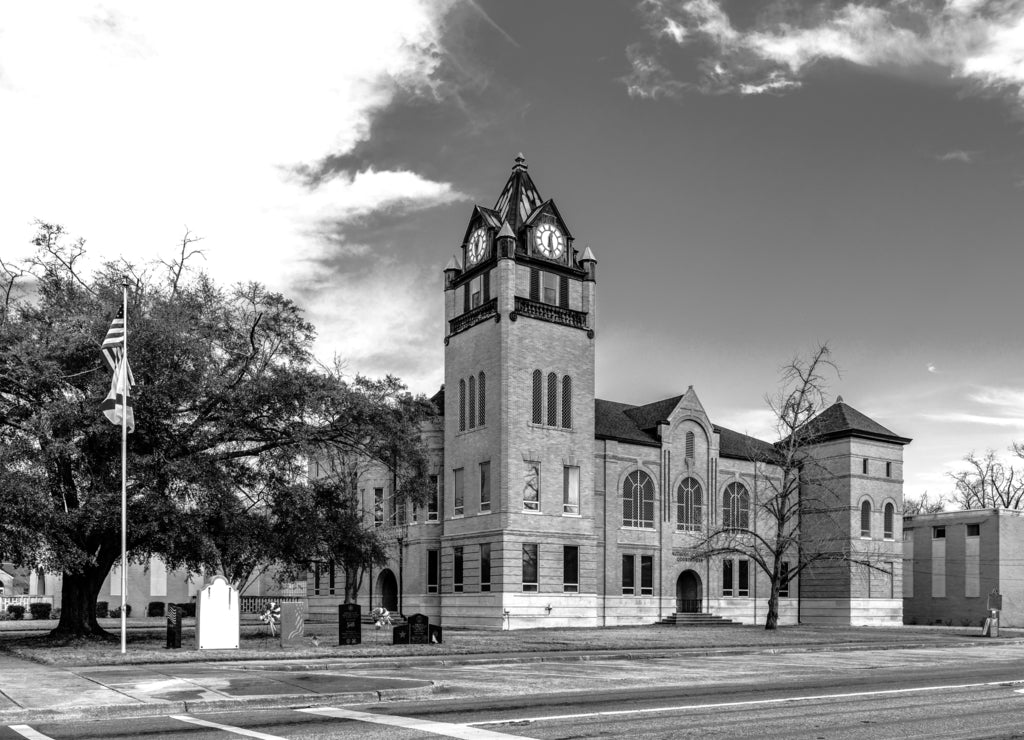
point(26, 731)
point(227, 728)
point(462, 732)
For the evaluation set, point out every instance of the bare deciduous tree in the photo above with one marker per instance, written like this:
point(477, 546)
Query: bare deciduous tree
point(988, 482)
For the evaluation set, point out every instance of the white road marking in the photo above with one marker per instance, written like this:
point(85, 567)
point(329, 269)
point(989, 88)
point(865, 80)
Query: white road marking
point(26, 731)
point(227, 728)
point(463, 732)
point(753, 702)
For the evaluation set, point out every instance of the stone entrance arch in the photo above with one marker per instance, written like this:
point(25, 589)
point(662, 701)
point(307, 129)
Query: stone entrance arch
point(689, 593)
point(387, 587)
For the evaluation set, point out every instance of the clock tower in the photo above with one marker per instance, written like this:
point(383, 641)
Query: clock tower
point(519, 538)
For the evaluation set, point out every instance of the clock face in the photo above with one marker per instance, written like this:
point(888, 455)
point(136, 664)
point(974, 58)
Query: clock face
point(550, 241)
point(477, 246)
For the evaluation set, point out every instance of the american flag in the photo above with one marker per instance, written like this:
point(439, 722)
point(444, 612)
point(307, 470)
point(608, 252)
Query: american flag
point(113, 345)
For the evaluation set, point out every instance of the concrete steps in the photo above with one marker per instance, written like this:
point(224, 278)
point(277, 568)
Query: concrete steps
point(684, 619)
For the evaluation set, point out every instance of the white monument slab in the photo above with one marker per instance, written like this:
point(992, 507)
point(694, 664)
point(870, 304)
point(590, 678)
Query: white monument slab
point(217, 616)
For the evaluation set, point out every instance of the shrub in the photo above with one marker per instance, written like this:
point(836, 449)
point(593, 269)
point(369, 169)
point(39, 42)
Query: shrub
point(188, 610)
point(55, 614)
point(155, 609)
point(40, 610)
point(17, 611)
point(116, 611)
point(102, 609)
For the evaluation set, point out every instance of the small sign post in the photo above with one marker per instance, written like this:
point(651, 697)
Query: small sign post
point(995, 605)
point(173, 626)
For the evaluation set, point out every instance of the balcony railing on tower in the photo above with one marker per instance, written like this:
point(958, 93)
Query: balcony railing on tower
point(554, 314)
point(473, 317)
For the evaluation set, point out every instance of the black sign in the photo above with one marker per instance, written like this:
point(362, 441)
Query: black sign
point(350, 624)
point(419, 629)
point(400, 635)
point(173, 626)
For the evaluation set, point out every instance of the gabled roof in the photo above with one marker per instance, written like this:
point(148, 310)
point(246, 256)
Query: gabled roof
point(841, 420)
point(611, 421)
point(742, 447)
point(519, 198)
point(648, 416)
point(438, 400)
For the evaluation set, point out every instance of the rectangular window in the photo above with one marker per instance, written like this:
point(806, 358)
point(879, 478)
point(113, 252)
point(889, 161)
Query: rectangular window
point(529, 566)
point(570, 568)
point(485, 566)
point(531, 487)
point(628, 574)
point(938, 563)
point(157, 577)
point(563, 292)
point(973, 530)
point(485, 486)
point(646, 575)
point(570, 489)
point(534, 285)
point(330, 577)
point(743, 588)
point(864, 466)
point(938, 533)
point(784, 579)
point(457, 570)
point(727, 577)
point(433, 570)
point(888, 470)
point(549, 288)
point(459, 506)
point(476, 291)
point(378, 507)
point(908, 564)
point(972, 566)
point(316, 578)
point(435, 483)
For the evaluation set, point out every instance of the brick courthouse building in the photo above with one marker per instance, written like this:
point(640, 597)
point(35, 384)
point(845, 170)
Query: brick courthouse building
point(556, 508)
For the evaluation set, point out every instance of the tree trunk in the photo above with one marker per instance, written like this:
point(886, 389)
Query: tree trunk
point(78, 604)
point(771, 622)
point(353, 581)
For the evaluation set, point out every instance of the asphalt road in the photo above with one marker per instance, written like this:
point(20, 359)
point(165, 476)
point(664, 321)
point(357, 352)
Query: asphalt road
point(947, 693)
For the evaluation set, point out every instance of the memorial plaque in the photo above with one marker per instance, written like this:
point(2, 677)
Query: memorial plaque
point(293, 624)
point(419, 629)
point(173, 626)
point(350, 625)
point(217, 616)
point(400, 635)
point(435, 634)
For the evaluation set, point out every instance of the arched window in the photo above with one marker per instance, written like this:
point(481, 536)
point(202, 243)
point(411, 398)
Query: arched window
point(689, 505)
point(638, 500)
point(482, 399)
point(472, 402)
point(689, 445)
point(552, 400)
point(865, 519)
point(462, 405)
point(736, 507)
point(887, 526)
point(538, 401)
point(566, 402)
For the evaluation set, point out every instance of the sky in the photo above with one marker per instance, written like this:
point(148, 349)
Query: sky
point(753, 178)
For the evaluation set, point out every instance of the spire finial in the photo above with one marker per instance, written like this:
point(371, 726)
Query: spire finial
point(520, 162)
point(839, 399)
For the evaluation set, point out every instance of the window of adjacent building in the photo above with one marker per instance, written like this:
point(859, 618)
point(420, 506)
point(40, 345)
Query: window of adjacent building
point(784, 579)
point(552, 399)
point(973, 530)
point(638, 500)
point(538, 397)
point(864, 466)
point(482, 398)
point(531, 487)
point(529, 566)
point(433, 571)
point(571, 489)
point(549, 287)
point(689, 505)
point(646, 575)
point(460, 492)
point(566, 402)
point(743, 586)
point(485, 486)
point(972, 563)
point(939, 562)
point(888, 470)
point(331, 575)
point(628, 574)
point(570, 568)
point(435, 482)
point(908, 564)
point(865, 519)
point(476, 291)
point(457, 570)
point(889, 521)
point(472, 402)
point(316, 577)
point(938, 533)
point(378, 507)
point(727, 573)
point(736, 507)
point(690, 445)
point(462, 405)
point(485, 566)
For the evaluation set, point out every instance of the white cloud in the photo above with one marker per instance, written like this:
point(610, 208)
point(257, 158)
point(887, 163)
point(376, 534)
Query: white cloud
point(127, 121)
point(932, 368)
point(957, 155)
point(990, 405)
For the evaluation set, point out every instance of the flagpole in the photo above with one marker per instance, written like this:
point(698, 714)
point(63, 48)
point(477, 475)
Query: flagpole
point(124, 472)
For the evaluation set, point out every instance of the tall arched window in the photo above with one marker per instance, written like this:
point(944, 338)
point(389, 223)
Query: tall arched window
point(638, 500)
point(689, 505)
point(566, 402)
point(736, 507)
point(462, 405)
point(482, 399)
point(865, 519)
point(538, 393)
point(472, 402)
point(887, 527)
point(552, 400)
point(689, 445)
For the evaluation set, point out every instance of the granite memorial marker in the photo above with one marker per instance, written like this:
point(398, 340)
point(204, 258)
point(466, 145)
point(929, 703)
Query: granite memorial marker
point(217, 616)
point(350, 624)
point(293, 624)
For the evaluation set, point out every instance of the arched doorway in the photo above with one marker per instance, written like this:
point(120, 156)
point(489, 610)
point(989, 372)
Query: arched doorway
point(387, 587)
point(689, 595)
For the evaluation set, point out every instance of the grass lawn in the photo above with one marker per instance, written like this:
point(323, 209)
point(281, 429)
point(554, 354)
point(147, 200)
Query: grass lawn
point(146, 640)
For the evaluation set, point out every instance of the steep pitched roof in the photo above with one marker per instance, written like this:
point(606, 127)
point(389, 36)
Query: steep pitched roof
point(519, 198)
point(438, 400)
point(742, 447)
point(841, 420)
point(648, 416)
point(611, 421)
